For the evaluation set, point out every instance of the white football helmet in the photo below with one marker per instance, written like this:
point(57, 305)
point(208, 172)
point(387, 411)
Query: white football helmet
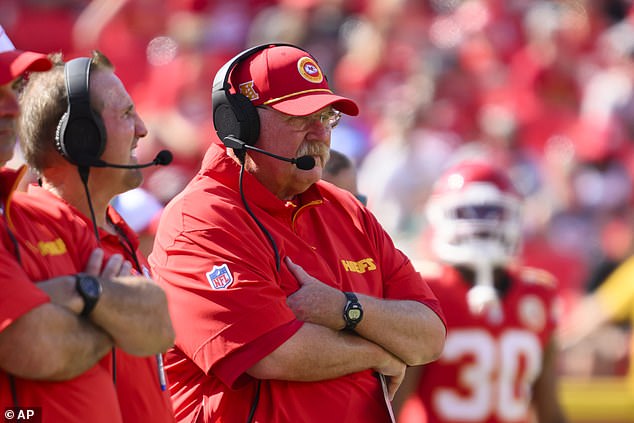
point(474, 214)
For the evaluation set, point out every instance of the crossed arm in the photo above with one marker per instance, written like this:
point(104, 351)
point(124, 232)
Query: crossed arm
point(51, 341)
point(132, 309)
point(392, 335)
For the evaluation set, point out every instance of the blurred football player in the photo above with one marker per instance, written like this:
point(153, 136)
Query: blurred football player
point(499, 362)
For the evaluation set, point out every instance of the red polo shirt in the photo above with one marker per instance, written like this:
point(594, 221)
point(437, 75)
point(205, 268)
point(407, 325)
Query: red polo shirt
point(140, 395)
point(49, 244)
point(228, 301)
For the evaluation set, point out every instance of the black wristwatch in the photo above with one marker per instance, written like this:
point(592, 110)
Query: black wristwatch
point(89, 288)
point(352, 312)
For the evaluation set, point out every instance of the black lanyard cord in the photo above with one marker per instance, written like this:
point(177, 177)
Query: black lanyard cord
point(126, 244)
point(257, 221)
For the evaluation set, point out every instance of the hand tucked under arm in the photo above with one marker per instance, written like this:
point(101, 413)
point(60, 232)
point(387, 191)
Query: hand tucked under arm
point(339, 353)
point(131, 309)
point(408, 329)
point(62, 291)
point(315, 301)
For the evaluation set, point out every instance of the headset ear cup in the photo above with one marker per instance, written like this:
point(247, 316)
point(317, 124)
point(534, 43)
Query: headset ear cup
point(84, 140)
point(248, 118)
point(225, 120)
point(81, 140)
point(235, 115)
point(80, 135)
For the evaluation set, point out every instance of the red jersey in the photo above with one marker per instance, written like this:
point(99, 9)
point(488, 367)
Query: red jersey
point(228, 299)
point(48, 243)
point(141, 397)
point(491, 361)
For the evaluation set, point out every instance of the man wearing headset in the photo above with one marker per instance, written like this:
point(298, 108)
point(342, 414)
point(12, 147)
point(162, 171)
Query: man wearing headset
point(110, 135)
point(290, 302)
point(53, 333)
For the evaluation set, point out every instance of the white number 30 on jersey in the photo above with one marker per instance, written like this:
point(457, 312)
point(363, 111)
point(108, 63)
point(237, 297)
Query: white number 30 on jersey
point(497, 378)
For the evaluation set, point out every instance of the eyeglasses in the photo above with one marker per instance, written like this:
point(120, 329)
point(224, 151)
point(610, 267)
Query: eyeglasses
point(329, 119)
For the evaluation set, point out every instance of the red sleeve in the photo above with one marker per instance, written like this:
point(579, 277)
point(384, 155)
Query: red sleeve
point(19, 294)
point(230, 369)
point(231, 294)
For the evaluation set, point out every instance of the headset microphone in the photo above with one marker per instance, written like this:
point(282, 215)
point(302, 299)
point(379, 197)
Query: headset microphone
point(163, 158)
point(302, 162)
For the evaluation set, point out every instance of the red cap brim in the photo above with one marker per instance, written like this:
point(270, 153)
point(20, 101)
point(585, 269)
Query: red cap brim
point(309, 104)
point(16, 62)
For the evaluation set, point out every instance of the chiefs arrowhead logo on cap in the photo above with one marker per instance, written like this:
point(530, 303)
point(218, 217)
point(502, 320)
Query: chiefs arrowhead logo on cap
point(309, 70)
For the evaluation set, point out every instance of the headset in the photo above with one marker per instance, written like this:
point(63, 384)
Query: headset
point(81, 135)
point(234, 114)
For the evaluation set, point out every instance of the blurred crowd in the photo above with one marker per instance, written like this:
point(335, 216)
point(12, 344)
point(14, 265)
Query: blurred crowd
point(543, 87)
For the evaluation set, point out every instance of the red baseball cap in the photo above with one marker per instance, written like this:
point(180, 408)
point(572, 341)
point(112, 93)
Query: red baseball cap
point(289, 80)
point(14, 63)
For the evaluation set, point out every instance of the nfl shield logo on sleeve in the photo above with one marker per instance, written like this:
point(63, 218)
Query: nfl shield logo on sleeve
point(219, 277)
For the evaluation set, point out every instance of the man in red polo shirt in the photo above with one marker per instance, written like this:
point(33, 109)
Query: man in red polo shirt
point(48, 353)
point(51, 152)
point(289, 301)
point(56, 335)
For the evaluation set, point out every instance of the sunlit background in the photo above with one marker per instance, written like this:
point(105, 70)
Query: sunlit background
point(543, 87)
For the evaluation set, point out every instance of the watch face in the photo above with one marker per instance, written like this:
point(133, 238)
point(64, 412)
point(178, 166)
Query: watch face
point(354, 314)
point(90, 286)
